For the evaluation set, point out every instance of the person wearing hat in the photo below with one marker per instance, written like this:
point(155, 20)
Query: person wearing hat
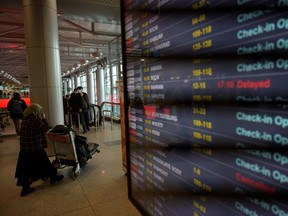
point(33, 162)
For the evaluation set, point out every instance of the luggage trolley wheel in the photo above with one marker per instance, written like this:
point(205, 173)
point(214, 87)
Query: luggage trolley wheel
point(56, 164)
point(75, 171)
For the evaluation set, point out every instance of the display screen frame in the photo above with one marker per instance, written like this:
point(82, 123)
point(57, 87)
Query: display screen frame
point(249, 146)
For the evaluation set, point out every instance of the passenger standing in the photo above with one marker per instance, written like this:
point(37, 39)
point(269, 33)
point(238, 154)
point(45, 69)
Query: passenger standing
point(33, 162)
point(16, 106)
point(72, 107)
point(83, 108)
point(72, 101)
point(66, 109)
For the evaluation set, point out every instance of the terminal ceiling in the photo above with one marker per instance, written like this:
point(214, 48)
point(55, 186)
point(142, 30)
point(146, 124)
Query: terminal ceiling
point(86, 29)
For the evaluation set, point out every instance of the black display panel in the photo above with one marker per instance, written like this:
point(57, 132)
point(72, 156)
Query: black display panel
point(206, 85)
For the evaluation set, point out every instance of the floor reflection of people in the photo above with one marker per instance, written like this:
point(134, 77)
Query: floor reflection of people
point(177, 104)
point(138, 104)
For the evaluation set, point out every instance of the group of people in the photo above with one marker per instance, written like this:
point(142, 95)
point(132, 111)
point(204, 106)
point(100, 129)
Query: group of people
point(31, 126)
point(78, 102)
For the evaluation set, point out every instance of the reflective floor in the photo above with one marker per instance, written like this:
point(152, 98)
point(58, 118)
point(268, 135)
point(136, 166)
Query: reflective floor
point(100, 189)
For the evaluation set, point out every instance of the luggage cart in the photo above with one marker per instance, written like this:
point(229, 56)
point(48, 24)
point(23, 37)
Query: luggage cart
point(70, 149)
point(65, 151)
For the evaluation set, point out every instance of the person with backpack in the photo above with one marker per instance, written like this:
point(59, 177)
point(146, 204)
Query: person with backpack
point(16, 107)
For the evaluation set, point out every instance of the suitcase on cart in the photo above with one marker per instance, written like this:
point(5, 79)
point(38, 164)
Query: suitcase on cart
point(70, 149)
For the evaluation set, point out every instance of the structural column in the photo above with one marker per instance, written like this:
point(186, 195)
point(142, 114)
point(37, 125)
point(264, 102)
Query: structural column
point(42, 45)
point(69, 86)
point(89, 83)
point(65, 86)
point(100, 86)
point(75, 81)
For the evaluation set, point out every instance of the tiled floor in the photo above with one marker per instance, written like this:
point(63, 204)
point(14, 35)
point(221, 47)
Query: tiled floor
point(100, 189)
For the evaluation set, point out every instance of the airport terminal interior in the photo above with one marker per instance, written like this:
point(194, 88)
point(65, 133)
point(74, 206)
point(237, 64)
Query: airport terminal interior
point(197, 91)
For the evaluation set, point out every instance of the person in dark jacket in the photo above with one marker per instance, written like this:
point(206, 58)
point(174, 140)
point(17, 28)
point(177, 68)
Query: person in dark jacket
point(72, 108)
point(66, 110)
point(16, 106)
point(33, 162)
point(83, 108)
point(72, 102)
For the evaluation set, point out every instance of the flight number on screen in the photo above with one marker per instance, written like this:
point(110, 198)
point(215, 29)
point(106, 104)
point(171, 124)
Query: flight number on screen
point(199, 85)
point(146, 78)
point(197, 171)
point(145, 33)
point(145, 24)
point(202, 136)
point(204, 124)
point(199, 110)
point(203, 31)
point(202, 45)
point(198, 19)
point(202, 72)
point(201, 61)
point(199, 4)
point(198, 148)
point(147, 95)
point(199, 206)
point(146, 87)
point(202, 185)
point(146, 69)
point(204, 98)
point(205, 151)
point(145, 43)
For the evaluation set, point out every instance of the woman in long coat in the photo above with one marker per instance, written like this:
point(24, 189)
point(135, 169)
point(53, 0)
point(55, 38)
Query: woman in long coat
point(33, 162)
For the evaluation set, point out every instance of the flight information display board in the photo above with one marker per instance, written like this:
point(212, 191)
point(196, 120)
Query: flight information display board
point(206, 86)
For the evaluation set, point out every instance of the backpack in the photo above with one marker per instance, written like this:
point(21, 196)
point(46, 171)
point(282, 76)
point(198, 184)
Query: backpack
point(16, 108)
point(81, 144)
point(61, 129)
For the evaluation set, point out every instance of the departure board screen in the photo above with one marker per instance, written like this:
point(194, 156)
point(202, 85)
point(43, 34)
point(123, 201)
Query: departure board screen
point(206, 85)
